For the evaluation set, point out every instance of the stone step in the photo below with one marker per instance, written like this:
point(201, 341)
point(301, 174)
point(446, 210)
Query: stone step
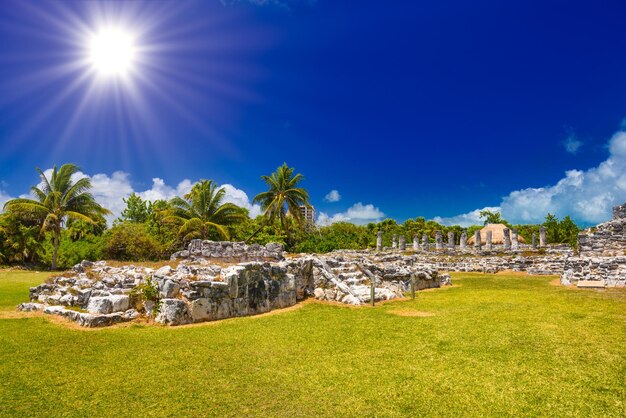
point(591, 284)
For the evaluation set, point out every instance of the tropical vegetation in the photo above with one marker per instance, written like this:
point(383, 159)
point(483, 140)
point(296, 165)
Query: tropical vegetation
point(63, 224)
point(58, 200)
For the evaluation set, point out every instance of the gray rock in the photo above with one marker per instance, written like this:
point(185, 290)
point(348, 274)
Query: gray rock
point(319, 293)
point(100, 305)
point(173, 312)
point(30, 307)
point(169, 289)
point(164, 271)
point(120, 303)
point(202, 310)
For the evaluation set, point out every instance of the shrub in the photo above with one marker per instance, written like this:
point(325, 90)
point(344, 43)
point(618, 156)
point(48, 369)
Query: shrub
point(128, 241)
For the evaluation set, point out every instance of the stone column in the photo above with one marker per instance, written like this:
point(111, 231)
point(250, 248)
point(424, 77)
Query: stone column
point(402, 243)
point(438, 240)
point(451, 240)
point(534, 241)
point(416, 243)
point(507, 239)
point(463, 240)
point(514, 240)
point(477, 240)
point(379, 241)
point(489, 239)
point(542, 237)
point(425, 242)
point(394, 241)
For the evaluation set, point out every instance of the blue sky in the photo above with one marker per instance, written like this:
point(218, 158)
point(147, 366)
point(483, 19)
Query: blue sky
point(405, 109)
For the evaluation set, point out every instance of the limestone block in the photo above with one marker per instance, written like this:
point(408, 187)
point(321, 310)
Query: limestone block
point(100, 305)
point(173, 312)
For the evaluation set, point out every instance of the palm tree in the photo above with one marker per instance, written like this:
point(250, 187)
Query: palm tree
point(201, 211)
point(283, 197)
point(59, 199)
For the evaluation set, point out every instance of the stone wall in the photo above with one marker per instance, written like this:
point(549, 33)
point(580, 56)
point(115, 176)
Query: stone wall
point(95, 294)
point(606, 271)
point(605, 239)
point(230, 251)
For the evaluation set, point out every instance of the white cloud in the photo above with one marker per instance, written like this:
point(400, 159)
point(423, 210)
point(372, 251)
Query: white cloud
point(586, 195)
point(358, 214)
point(466, 219)
point(4, 197)
point(572, 144)
point(161, 191)
point(110, 191)
point(332, 196)
point(240, 198)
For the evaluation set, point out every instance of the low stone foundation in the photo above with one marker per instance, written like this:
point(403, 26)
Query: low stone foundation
point(95, 294)
point(607, 271)
point(234, 252)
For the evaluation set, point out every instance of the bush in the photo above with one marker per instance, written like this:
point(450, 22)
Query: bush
point(129, 241)
point(71, 252)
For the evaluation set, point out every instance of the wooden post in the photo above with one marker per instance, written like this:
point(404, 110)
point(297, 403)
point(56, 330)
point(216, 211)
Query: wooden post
point(413, 286)
point(373, 280)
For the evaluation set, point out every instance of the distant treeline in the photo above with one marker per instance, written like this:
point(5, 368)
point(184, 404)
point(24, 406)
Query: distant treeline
point(64, 225)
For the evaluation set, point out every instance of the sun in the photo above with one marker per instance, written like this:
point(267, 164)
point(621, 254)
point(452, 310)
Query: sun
point(112, 52)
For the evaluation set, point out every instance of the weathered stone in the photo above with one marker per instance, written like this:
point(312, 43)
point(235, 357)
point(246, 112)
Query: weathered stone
point(394, 241)
point(164, 271)
point(100, 305)
point(30, 307)
point(542, 237)
point(402, 243)
point(514, 240)
point(425, 242)
point(379, 241)
point(173, 312)
point(591, 284)
point(507, 238)
point(489, 240)
point(416, 243)
point(168, 289)
point(451, 240)
point(202, 310)
point(477, 240)
point(438, 240)
point(534, 241)
point(119, 303)
point(463, 240)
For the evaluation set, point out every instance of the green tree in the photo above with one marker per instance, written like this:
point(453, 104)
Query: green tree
point(491, 217)
point(201, 213)
point(19, 240)
point(60, 199)
point(130, 241)
point(283, 197)
point(568, 231)
point(552, 228)
point(137, 210)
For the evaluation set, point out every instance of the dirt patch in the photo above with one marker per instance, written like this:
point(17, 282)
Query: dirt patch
point(511, 273)
point(411, 313)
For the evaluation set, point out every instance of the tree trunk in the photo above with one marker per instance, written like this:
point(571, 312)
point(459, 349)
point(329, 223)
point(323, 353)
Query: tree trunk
point(286, 229)
point(55, 252)
point(255, 232)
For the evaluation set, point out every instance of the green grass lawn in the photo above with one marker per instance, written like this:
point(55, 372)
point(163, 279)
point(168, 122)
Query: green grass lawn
point(493, 345)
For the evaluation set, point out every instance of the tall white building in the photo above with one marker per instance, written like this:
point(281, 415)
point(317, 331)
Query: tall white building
point(308, 213)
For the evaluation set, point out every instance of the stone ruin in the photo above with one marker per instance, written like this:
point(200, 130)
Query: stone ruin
point(217, 280)
point(601, 259)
